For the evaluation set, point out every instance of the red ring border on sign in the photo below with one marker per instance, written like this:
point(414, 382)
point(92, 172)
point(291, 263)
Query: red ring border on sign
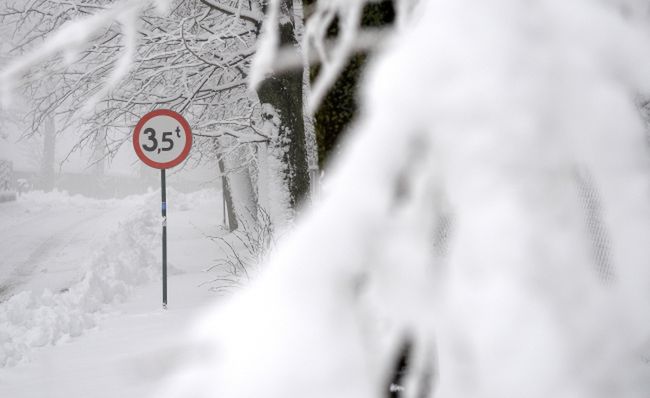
point(188, 138)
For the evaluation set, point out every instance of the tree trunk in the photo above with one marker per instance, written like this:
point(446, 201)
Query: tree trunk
point(230, 220)
point(281, 96)
point(99, 154)
point(311, 145)
point(239, 193)
point(48, 159)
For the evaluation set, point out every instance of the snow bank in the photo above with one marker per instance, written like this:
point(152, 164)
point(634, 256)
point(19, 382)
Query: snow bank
point(128, 258)
point(56, 198)
point(487, 111)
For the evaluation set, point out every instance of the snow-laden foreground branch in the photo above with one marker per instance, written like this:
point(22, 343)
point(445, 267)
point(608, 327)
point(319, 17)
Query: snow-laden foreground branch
point(482, 122)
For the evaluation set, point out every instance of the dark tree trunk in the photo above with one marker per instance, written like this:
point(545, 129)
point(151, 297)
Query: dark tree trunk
point(283, 93)
point(339, 107)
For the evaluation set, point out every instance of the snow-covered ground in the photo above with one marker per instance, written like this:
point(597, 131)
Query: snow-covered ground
point(80, 312)
point(45, 237)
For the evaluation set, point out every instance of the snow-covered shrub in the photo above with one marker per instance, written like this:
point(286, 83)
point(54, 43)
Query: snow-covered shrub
point(242, 251)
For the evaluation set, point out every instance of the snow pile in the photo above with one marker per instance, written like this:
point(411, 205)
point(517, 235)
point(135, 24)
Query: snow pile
point(28, 320)
point(481, 116)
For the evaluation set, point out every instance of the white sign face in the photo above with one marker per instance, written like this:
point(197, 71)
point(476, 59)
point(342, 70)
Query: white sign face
point(162, 139)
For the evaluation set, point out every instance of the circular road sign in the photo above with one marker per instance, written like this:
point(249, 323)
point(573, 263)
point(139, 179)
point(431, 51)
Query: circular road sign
point(162, 139)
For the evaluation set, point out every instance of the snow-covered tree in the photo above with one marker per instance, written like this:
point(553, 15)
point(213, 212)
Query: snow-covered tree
point(109, 63)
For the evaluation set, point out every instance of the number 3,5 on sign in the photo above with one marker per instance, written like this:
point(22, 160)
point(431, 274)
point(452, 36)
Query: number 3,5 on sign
point(162, 139)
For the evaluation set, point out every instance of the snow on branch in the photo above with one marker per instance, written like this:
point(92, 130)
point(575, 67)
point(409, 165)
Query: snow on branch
point(317, 46)
point(267, 45)
point(349, 16)
point(71, 37)
point(253, 16)
point(127, 58)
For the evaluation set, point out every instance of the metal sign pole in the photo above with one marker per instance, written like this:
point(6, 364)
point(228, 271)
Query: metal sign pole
point(162, 139)
point(163, 193)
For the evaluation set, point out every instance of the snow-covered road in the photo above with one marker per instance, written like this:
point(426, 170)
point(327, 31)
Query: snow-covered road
point(81, 287)
point(44, 244)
